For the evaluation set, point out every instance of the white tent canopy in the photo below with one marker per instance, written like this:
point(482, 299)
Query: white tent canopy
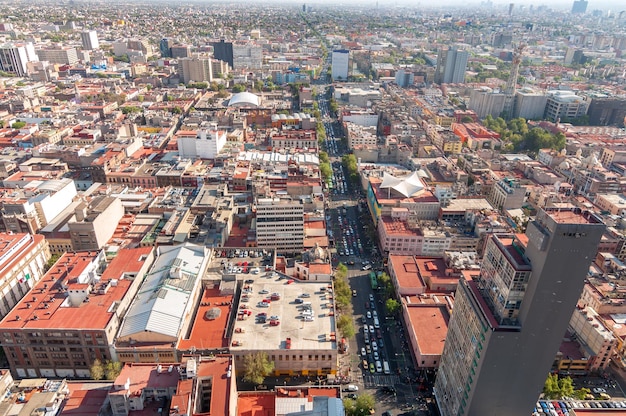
point(408, 186)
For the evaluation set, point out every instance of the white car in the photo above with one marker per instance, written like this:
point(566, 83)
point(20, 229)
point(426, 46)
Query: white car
point(363, 352)
point(369, 315)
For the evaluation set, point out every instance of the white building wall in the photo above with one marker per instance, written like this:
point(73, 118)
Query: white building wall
point(340, 65)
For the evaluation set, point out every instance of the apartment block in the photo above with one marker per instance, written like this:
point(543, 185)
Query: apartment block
point(23, 258)
point(71, 316)
point(94, 222)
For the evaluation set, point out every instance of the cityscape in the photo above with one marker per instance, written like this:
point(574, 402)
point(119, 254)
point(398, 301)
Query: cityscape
point(342, 209)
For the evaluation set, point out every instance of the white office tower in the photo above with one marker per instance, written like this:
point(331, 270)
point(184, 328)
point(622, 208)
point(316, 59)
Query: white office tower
point(14, 57)
point(90, 40)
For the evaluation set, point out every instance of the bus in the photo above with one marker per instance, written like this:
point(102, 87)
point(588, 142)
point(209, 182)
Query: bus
point(373, 280)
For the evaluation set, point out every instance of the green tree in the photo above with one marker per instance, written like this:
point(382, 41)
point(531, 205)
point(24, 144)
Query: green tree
point(346, 326)
point(256, 367)
point(177, 110)
point(97, 370)
point(131, 109)
point(258, 85)
point(392, 306)
point(467, 119)
point(341, 270)
point(363, 405)
point(581, 394)
point(112, 369)
point(53, 259)
point(557, 388)
point(18, 124)
point(237, 88)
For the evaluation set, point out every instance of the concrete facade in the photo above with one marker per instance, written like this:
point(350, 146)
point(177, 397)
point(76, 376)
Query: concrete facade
point(484, 348)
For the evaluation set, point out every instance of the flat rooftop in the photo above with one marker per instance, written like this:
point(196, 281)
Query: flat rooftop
point(209, 332)
point(571, 216)
point(310, 335)
point(406, 271)
point(429, 323)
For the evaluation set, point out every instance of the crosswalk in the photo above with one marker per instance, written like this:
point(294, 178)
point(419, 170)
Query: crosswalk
point(379, 380)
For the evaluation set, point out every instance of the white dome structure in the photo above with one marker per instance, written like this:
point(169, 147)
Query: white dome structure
point(408, 186)
point(244, 99)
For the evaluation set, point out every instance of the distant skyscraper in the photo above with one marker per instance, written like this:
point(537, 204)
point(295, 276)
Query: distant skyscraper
point(15, 57)
point(508, 322)
point(90, 40)
point(224, 52)
point(304, 8)
point(340, 64)
point(165, 47)
point(579, 6)
point(451, 66)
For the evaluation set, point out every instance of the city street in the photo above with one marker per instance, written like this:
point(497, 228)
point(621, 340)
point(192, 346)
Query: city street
point(395, 389)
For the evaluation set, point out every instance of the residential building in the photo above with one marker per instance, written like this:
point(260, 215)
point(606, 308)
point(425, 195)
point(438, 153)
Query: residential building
point(280, 224)
point(28, 210)
point(14, 57)
point(563, 105)
point(89, 38)
point(340, 64)
point(499, 324)
point(64, 55)
point(207, 144)
point(597, 341)
point(72, 315)
point(198, 385)
point(196, 69)
point(507, 194)
point(451, 66)
point(23, 259)
point(94, 222)
point(247, 56)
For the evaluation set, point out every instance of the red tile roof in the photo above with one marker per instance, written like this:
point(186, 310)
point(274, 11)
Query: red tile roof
point(45, 299)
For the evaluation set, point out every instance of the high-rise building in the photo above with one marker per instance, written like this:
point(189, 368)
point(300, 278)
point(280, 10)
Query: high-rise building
point(529, 104)
point(340, 64)
point(90, 40)
point(511, 319)
point(164, 47)
point(451, 66)
point(485, 101)
point(280, 224)
point(223, 51)
point(197, 69)
point(247, 56)
point(579, 6)
point(562, 105)
point(14, 57)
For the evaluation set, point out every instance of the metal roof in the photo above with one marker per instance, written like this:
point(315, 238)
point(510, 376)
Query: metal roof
point(162, 300)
